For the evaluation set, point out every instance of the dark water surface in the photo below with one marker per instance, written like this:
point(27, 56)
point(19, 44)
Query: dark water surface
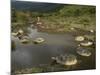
point(32, 55)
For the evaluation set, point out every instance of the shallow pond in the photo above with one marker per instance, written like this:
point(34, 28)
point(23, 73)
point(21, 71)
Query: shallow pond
point(33, 55)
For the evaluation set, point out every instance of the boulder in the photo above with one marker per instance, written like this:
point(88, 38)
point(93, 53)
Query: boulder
point(72, 28)
point(92, 31)
point(20, 31)
point(14, 34)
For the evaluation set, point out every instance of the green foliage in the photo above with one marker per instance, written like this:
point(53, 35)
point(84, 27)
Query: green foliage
point(62, 17)
point(66, 10)
point(76, 10)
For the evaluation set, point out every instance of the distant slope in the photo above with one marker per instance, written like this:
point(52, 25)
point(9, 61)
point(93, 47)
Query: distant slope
point(34, 6)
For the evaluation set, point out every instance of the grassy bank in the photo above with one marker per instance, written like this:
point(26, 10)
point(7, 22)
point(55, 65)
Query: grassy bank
point(61, 20)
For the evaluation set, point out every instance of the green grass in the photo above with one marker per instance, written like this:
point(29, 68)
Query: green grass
point(68, 16)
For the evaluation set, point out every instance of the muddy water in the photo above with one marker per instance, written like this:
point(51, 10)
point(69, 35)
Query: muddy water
point(32, 55)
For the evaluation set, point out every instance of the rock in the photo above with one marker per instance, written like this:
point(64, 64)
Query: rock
point(38, 40)
point(91, 31)
point(72, 28)
point(20, 34)
point(79, 38)
point(39, 23)
point(14, 34)
point(86, 43)
point(68, 59)
point(83, 52)
point(20, 31)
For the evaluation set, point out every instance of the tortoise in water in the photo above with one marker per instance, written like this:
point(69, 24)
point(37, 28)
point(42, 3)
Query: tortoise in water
point(39, 40)
point(67, 59)
point(83, 51)
point(79, 38)
point(86, 44)
point(25, 40)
